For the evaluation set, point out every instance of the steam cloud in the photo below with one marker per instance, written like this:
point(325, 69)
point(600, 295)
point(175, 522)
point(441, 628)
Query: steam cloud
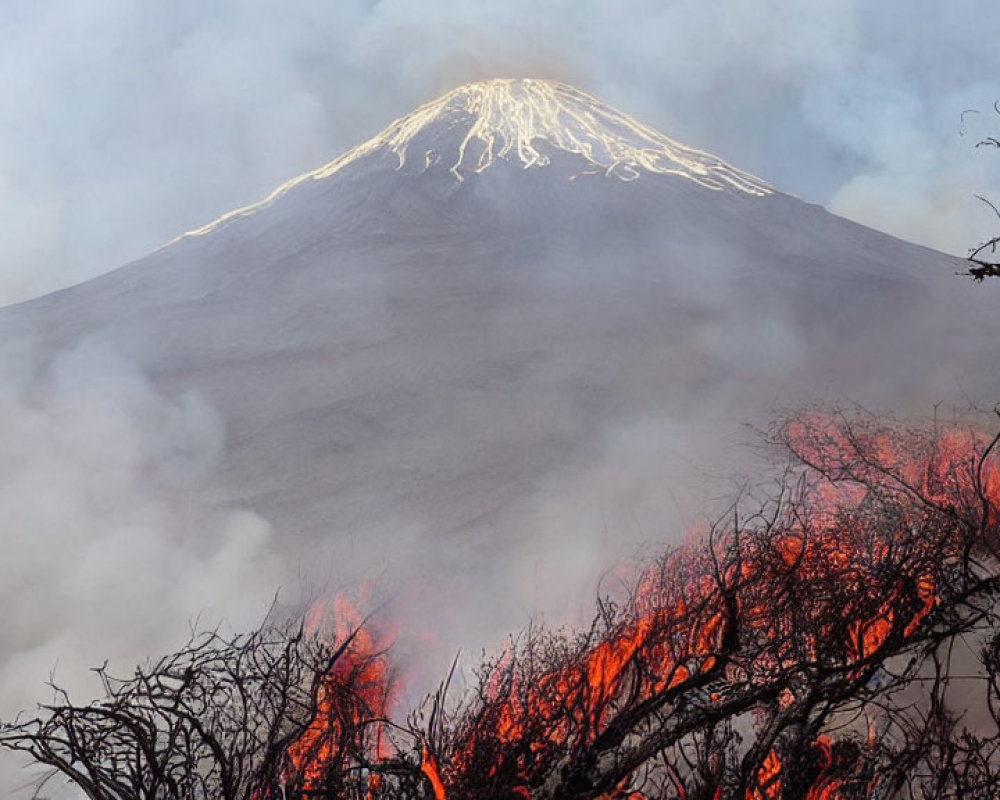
point(122, 125)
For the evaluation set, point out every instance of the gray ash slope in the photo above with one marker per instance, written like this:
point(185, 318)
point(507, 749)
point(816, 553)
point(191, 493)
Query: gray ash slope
point(513, 302)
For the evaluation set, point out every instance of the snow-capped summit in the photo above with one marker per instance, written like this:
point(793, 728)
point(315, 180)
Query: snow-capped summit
point(529, 123)
point(523, 120)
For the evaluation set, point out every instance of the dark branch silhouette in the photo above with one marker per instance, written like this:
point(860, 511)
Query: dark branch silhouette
point(983, 258)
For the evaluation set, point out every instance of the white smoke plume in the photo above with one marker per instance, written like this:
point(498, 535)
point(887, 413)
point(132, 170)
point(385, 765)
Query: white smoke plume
point(104, 554)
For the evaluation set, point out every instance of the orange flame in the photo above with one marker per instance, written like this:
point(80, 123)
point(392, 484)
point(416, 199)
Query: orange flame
point(429, 767)
point(768, 779)
point(355, 695)
point(825, 787)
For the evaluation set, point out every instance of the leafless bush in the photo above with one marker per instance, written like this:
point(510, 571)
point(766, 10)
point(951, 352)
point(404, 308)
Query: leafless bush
point(984, 258)
point(217, 719)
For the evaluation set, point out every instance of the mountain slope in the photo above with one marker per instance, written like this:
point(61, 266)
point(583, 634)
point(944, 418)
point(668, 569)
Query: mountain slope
point(515, 328)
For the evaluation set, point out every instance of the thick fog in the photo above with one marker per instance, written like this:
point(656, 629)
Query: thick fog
point(124, 124)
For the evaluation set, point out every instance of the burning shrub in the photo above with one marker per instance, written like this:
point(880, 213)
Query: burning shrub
point(805, 650)
point(231, 718)
point(720, 674)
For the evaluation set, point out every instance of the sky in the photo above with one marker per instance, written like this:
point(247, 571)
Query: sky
point(124, 124)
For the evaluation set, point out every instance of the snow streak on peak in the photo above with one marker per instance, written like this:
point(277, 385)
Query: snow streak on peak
point(510, 118)
point(524, 121)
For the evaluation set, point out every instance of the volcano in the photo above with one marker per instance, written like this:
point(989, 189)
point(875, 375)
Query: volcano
point(515, 311)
